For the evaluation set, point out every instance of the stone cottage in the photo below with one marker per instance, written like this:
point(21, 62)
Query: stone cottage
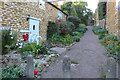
point(112, 23)
point(30, 17)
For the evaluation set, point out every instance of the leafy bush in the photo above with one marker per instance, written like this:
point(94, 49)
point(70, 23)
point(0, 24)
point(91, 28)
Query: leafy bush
point(12, 72)
point(34, 49)
point(75, 33)
point(96, 28)
point(52, 29)
point(109, 38)
point(8, 41)
point(55, 37)
point(113, 49)
point(67, 39)
point(66, 27)
point(76, 38)
point(74, 20)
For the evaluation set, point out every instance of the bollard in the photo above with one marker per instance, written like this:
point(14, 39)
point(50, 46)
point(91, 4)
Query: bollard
point(30, 67)
point(111, 68)
point(66, 67)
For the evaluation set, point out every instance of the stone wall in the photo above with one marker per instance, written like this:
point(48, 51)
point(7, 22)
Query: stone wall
point(14, 15)
point(112, 19)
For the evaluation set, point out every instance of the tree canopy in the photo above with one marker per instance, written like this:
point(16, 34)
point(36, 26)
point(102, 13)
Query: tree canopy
point(78, 9)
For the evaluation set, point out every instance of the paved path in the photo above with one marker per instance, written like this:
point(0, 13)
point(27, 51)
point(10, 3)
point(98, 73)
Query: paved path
point(89, 53)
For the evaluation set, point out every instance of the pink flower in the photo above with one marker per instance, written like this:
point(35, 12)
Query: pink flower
point(35, 72)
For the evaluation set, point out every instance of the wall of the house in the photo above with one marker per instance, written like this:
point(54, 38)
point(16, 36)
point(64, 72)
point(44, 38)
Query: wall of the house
point(14, 16)
point(112, 19)
point(96, 17)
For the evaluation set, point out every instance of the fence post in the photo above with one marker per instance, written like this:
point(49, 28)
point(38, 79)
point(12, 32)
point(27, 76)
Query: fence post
point(66, 67)
point(30, 67)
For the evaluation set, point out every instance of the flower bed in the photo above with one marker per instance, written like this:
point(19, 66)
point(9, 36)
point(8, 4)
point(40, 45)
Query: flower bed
point(109, 41)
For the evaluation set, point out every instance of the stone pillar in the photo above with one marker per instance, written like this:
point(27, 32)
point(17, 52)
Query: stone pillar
point(111, 68)
point(30, 67)
point(66, 67)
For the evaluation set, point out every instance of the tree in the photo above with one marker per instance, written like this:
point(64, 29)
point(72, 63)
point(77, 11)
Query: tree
point(78, 9)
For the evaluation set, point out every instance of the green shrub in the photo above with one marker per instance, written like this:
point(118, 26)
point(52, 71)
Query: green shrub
point(76, 38)
point(34, 49)
point(82, 25)
point(109, 38)
point(75, 33)
point(67, 39)
point(96, 28)
point(8, 41)
point(66, 27)
point(113, 49)
point(74, 20)
point(52, 29)
point(82, 28)
point(55, 37)
point(12, 72)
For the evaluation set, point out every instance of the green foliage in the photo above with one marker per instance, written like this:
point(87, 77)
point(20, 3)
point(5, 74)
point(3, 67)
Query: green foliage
point(109, 41)
point(66, 39)
point(82, 28)
point(66, 27)
point(74, 20)
point(34, 49)
point(52, 29)
point(75, 33)
point(74, 62)
point(113, 49)
point(100, 32)
point(102, 10)
point(78, 9)
point(12, 72)
point(8, 41)
point(109, 38)
point(76, 38)
point(55, 37)
point(26, 53)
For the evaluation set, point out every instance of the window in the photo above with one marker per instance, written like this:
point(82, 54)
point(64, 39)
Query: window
point(42, 4)
point(59, 15)
point(33, 27)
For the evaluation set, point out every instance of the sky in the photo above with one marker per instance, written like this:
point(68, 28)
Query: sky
point(92, 4)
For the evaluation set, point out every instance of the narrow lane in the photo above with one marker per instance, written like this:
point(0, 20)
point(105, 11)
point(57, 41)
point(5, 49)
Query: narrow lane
point(89, 53)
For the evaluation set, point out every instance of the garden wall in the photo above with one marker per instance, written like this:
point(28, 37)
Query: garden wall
point(112, 19)
point(14, 15)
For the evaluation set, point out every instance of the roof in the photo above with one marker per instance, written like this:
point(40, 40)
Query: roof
point(57, 8)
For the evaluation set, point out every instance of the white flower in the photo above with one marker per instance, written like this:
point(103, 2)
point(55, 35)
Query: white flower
point(16, 44)
point(20, 47)
point(21, 44)
point(18, 40)
point(11, 37)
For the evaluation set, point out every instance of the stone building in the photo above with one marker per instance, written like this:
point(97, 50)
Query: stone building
point(112, 19)
point(112, 23)
point(30, 17)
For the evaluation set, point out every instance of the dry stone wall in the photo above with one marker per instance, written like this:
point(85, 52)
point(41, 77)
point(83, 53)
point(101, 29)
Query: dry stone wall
point(14, 15)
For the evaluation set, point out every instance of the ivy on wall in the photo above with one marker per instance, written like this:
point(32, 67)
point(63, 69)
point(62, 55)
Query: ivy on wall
point(102, 10)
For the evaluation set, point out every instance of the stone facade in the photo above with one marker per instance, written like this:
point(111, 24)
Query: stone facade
point(112, 19)
point(14, 15)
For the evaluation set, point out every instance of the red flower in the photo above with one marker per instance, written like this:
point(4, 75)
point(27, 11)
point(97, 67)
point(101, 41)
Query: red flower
point(35, 72)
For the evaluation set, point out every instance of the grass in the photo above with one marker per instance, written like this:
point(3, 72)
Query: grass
point(74, 62)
